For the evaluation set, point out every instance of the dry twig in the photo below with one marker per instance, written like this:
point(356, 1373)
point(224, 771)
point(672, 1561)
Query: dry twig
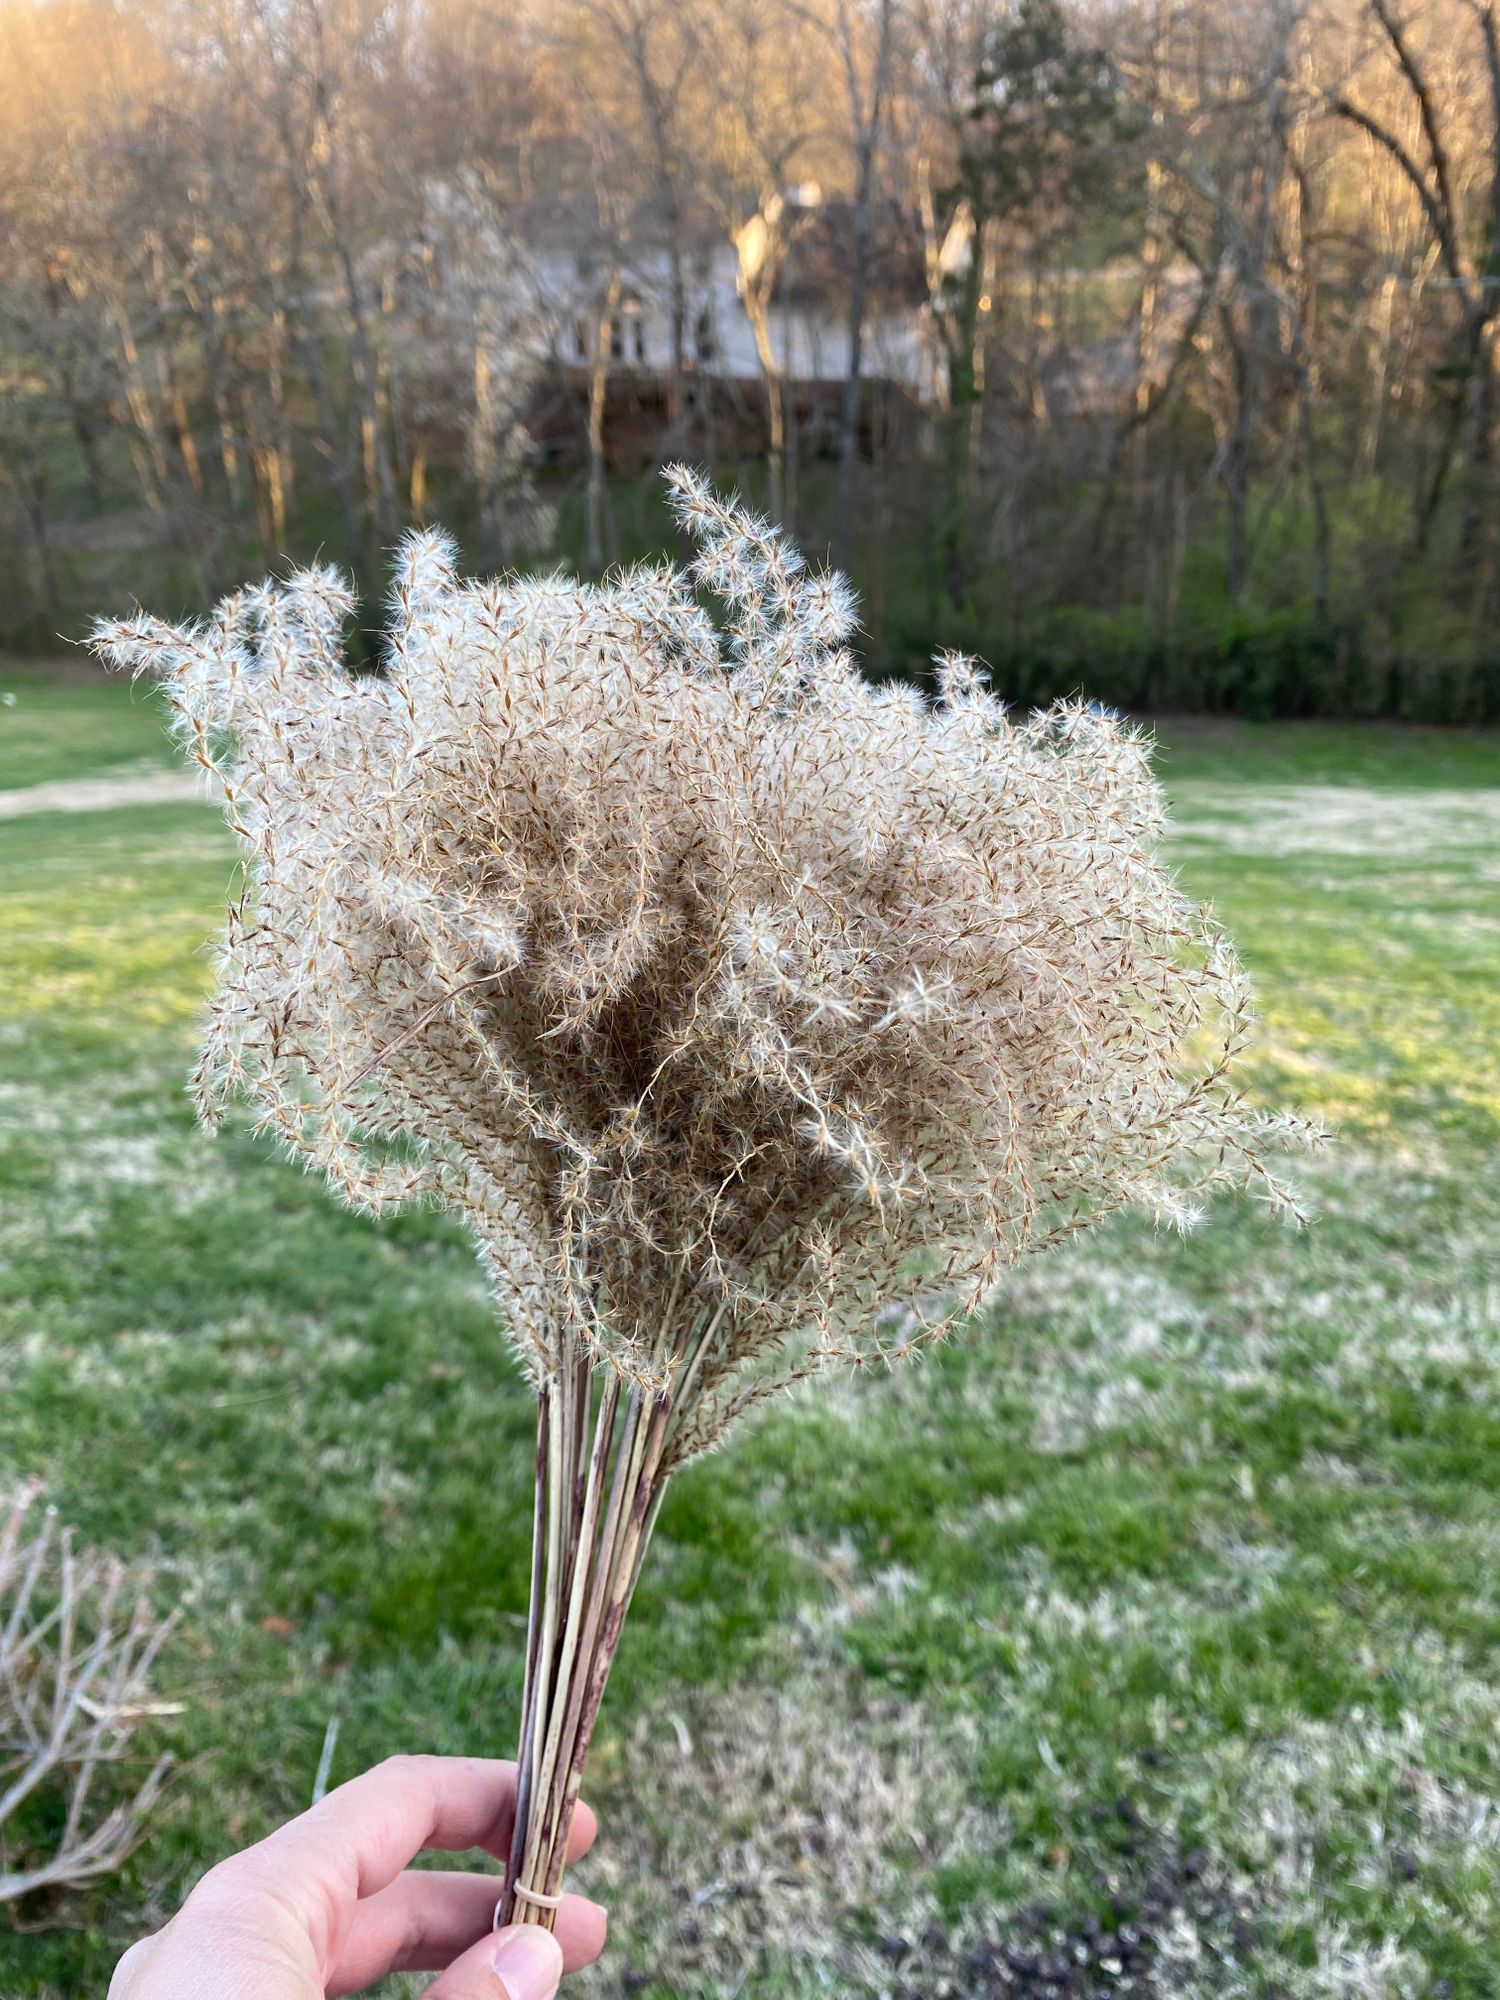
point(78, 1640)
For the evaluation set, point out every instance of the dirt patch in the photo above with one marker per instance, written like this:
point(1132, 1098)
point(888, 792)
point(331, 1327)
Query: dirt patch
point(1171, 1927)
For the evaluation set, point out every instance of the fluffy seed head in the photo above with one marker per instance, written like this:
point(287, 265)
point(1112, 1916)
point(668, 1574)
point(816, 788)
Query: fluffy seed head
point(744, 1010)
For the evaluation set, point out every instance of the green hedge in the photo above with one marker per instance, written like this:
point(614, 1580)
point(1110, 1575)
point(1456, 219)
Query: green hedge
point(1275, 665)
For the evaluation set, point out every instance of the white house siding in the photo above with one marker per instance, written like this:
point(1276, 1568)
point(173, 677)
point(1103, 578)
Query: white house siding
point(810, 344)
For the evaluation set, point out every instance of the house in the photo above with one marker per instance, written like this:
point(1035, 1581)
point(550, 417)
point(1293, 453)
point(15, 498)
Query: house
point(809, 329)
point(626, 296)
point(534, 299)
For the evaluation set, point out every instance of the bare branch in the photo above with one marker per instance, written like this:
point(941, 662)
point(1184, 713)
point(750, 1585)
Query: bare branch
point(1437, 216)
point(78, 1641)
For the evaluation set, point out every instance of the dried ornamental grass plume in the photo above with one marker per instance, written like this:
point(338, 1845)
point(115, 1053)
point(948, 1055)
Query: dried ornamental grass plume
point(754, 1017)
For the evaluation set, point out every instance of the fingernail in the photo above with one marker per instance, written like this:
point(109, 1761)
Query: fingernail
point(528, 1960)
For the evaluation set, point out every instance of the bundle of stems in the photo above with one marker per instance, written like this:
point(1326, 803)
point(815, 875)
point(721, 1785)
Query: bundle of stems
point(602, 1465)
point(754, 1018)
point(598, 1487)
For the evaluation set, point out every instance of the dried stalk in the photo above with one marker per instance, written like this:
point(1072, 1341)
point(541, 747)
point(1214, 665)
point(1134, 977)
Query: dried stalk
point(77, 1646)
point(601, 1562)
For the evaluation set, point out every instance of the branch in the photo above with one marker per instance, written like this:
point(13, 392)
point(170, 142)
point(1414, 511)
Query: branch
point(1440, 220)
point(1411, 70)
point(1484, 15)
point(77, 1645)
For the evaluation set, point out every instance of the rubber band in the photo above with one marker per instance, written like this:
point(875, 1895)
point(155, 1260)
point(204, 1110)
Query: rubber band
point(522, 1894)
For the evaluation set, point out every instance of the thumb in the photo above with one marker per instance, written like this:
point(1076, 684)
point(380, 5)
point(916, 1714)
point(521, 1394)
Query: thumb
point(522, 1962)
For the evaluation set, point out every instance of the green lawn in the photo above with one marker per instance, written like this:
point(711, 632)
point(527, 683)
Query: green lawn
point(1159, 1617)
point(53, 727)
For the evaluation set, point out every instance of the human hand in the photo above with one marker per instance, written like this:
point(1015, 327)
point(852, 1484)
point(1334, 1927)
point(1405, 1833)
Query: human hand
point(327, 1904)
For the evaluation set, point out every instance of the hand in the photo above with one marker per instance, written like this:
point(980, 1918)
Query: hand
point(328, 1905)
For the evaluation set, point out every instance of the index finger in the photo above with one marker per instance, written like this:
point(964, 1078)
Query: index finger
point(369, 1829)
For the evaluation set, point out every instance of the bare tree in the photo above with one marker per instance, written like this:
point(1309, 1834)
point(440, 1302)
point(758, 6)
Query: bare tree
point(647, 49)
point(1193, 275)
point(1249, 307)
point(1463, 214)
point(865, 39)
point(1037, 142)
point(760, 244)
point(757, 56)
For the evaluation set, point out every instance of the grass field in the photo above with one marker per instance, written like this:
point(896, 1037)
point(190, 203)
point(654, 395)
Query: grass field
point(1150, 1633)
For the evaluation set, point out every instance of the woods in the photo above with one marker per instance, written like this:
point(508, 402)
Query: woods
point(1147, 350)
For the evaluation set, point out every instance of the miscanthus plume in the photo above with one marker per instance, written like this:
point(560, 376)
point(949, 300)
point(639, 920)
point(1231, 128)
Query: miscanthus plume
point(755, 1018)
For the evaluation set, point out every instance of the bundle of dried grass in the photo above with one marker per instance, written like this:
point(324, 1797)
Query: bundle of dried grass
point(755, 1018)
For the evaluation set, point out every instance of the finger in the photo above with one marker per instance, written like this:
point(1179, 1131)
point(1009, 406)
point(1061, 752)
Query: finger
point(364, 1833)
point(132, 1965)
point(425, 1919)
point(521, 1963)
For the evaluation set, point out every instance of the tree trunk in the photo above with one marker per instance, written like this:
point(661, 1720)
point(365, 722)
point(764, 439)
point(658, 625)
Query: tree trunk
point(217, 365)
point(963, 422)
point(757, 311)
point(859, 276)
point(598, 490)
point(147, 451)
point(677, 309)
point(31, 484)
point(1478, 435)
